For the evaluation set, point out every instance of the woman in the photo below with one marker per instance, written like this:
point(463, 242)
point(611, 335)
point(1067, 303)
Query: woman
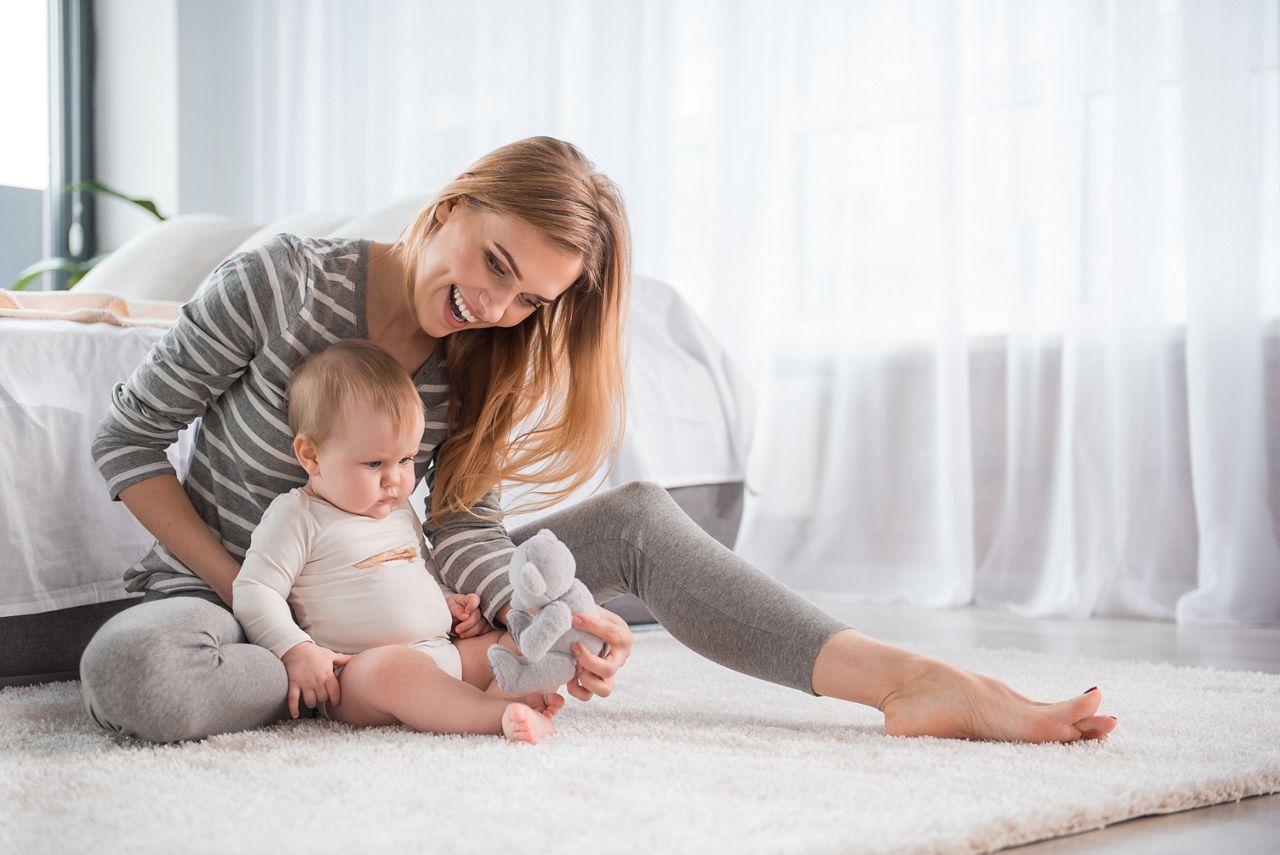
point(506, 301)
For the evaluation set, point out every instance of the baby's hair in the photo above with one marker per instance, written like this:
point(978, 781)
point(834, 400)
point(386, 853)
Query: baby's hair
point(352, 376)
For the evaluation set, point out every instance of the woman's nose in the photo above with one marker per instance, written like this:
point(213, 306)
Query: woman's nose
point(492, 308)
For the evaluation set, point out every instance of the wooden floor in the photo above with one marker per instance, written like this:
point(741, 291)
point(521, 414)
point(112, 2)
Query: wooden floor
point(1252, 825)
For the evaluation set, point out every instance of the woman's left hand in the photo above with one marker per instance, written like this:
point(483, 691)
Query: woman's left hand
point(595, 673)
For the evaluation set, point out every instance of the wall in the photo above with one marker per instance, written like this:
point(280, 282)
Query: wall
point(173, 108)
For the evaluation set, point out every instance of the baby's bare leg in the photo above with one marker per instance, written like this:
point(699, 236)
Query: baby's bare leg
point(390, 685)
point(474, 653)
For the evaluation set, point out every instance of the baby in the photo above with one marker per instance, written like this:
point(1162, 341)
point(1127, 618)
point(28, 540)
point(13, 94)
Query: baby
point(370, 644)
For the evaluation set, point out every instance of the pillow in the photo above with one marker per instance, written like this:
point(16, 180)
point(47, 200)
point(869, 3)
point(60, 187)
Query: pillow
point(385, 224)
point(169, 261)
point(302, 225)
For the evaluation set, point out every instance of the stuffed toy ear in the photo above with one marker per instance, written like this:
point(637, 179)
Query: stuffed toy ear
point(531, 581)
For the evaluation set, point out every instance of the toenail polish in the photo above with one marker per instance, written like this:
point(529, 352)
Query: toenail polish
point(1094, 689)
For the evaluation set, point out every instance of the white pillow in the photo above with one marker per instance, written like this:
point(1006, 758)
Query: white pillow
point(386, 224)
point(169, 261)
point(302, 225)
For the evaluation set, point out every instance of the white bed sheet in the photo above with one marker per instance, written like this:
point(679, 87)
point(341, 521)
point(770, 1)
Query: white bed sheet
point(63, 542)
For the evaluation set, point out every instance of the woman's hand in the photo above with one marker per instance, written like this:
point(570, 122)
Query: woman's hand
point(311, 678)
point(595, 673)
point(468, 622)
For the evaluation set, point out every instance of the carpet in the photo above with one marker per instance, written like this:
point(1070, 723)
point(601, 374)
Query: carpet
point(685, 757)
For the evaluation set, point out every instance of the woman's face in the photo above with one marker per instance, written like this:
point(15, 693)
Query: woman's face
point(487, 269)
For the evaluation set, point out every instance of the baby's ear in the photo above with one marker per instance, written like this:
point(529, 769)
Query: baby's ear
point(304, 449)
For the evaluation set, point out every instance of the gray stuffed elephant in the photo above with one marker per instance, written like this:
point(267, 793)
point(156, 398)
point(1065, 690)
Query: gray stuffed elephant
point(545, 595)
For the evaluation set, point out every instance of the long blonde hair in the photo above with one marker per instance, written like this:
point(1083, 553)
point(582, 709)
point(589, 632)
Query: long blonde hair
point(564, 362)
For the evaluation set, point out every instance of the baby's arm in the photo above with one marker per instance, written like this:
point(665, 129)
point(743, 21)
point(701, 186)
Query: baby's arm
point(277, 552)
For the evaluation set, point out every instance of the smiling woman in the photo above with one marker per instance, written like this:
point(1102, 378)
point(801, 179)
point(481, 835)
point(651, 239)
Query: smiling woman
point(542, 206)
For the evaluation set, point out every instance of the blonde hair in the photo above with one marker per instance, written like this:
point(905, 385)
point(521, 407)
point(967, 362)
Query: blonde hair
point(564, 362)
point(348, 377)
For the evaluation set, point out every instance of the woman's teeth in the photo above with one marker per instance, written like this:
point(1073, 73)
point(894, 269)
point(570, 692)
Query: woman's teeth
point(460, 308)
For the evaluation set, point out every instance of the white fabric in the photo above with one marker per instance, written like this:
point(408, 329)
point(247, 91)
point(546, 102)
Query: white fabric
point(170, 260)
point(67, 544)
point(1006, 275)
point(685, 757)
point(351, 582)
point(63, 542)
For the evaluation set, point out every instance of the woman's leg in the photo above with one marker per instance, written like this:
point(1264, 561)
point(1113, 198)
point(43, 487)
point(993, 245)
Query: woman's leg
point(635, 539)
point(179, 668)
point(400, 685)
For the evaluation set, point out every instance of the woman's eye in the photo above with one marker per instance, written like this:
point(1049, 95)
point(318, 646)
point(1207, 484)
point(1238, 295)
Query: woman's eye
point(494, 265)
point(532, 304)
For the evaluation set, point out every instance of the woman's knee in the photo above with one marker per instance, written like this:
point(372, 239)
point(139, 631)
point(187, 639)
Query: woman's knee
point(132, 667)
point(642, 504)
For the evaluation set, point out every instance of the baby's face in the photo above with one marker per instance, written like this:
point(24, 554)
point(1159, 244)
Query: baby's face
point(365, 467)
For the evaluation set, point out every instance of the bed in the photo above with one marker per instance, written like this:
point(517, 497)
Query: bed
point(64, 546)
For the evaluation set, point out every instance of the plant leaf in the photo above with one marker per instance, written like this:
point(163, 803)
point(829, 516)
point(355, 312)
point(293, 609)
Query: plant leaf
point(29, 274)
point(98, 187)
point(77, 269)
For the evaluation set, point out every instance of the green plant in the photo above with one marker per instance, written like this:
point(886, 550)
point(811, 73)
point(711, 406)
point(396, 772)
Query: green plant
point(76, 268)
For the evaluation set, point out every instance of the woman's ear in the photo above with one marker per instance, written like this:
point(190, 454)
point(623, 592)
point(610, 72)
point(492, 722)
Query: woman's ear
point(445, 208)
point(304, 448)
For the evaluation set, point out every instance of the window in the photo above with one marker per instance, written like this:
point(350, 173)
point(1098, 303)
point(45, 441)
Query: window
point(24, 146)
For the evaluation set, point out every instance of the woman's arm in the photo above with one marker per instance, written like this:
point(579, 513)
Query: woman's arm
point(472, 556)
point(472, 552)
point(162, 506)
point(216, 337)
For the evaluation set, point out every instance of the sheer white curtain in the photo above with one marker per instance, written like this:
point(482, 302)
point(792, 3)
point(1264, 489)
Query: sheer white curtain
point(1007, 274)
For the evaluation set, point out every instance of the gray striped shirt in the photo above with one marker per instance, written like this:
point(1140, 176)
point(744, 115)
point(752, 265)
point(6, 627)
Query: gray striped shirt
point(226, 361)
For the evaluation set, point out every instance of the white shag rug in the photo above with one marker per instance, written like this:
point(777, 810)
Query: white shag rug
point(685, 757)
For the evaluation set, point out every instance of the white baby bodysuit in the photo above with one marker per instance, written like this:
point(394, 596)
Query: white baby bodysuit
point(353, 582)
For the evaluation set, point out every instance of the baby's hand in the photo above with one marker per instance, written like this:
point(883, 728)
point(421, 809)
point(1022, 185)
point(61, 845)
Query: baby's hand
point(467, 620)
point(311, 678)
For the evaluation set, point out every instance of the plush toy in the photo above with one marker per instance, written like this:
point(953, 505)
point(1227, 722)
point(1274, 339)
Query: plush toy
point(544, 597)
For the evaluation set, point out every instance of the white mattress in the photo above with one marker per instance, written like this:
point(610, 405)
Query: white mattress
point(64, 543)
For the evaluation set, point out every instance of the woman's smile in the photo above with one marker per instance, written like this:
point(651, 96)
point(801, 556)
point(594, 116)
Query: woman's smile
point(459, 309)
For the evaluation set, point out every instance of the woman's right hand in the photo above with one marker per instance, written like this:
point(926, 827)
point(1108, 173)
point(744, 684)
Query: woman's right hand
point(595, 673)
point(311, 678)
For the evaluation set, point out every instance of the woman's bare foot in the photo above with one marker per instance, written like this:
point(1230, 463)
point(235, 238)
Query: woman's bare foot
point(920, 696)
point(941, 700)
point(522, 724)
point(547, 703)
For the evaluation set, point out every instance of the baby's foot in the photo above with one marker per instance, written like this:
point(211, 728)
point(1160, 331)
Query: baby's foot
point(521, 724)
point(547, 703)
point(949, 702)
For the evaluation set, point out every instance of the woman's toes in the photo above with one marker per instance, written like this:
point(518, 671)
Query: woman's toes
point(1095, 727)
point(1081, 706)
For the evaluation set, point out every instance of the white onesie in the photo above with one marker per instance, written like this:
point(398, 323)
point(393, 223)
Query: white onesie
point(353, 582)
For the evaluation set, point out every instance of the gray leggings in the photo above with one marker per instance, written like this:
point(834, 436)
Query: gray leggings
point(179, 667)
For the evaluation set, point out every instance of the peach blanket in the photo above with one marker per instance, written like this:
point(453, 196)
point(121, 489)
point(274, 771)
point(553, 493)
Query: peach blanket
point(88, 307)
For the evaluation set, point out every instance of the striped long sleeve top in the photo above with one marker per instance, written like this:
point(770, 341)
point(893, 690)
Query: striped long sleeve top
point(226, 361)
